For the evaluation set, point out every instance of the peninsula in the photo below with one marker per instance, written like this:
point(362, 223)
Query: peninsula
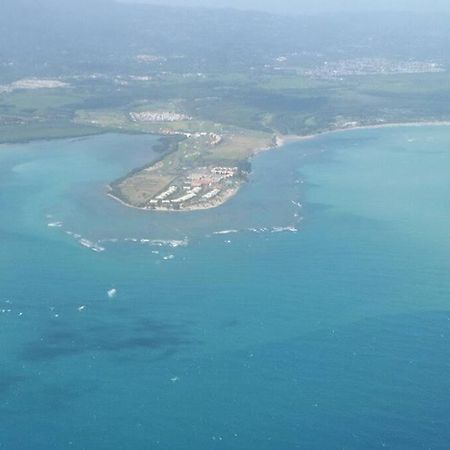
point(197, 169)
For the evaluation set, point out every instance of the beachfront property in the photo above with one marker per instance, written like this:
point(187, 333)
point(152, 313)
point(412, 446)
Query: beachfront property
point(202, 188)
point(211, 194)
point(167, 193)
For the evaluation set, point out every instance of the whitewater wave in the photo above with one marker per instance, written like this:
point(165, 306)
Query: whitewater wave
point(226, 232)
point(55, 225)
point(91, 245)
point(98, 246)
point(283, 229)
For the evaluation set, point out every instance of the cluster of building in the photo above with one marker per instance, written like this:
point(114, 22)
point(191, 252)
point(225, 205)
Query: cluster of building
point(370, 66)
point(214, 138)
point(143, 58)
point(167, 193)
point(32, 83)
point(158, 116)
point(211, 194)
point(225, 172)
point(202, 186)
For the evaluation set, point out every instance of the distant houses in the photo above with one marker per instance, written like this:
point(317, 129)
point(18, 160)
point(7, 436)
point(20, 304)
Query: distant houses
point(158, 116)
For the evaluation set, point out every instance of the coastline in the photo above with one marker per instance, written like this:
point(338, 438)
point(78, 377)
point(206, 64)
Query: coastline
point(219, 201)
point(280, 141)
point(296, 138)
point(212, 203)
point(4, 143)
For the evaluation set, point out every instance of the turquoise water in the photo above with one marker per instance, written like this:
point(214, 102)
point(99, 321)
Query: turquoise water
point(335, 336)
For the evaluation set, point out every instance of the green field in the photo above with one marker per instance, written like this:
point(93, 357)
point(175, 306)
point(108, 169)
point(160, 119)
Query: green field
point(273, 103)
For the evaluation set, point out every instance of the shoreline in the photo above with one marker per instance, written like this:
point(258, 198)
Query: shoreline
point(280, 141)
point(296, 138)
point(52, 138)
point(220, 201)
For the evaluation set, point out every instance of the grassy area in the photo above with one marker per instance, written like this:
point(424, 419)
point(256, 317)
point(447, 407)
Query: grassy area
point(39, 101)
point(285, 103)
point(44, 131)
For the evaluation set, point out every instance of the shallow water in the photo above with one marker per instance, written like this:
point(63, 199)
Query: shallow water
point(335, 336)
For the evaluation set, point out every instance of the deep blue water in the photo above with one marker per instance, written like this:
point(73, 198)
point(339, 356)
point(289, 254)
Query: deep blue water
point(336, 336)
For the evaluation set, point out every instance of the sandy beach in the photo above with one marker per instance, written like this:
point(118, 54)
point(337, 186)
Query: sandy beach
point(295, 138)
point(213, 203)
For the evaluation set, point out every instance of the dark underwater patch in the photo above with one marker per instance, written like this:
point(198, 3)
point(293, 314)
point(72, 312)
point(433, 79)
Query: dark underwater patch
point(64, 339)
point(231, 323)
point(9, 381)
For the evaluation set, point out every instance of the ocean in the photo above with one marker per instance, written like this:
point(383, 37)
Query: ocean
point(312, 311)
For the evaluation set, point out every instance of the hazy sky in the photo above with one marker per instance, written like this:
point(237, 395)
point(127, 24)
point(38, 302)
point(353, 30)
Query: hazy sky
point(298, 6)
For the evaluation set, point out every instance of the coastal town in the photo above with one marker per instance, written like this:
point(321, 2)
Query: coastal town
point(332, 69)
point(369, 66)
